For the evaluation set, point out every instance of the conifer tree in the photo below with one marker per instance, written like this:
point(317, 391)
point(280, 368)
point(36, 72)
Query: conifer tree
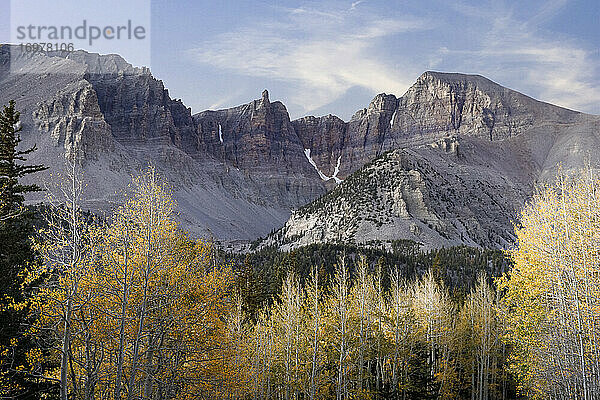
point(15, 250)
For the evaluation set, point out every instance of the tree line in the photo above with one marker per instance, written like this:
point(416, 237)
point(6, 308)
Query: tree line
point(353, 338)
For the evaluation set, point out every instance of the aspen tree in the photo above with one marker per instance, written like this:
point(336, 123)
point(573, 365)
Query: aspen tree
point(362, 289)
point(402, 324)
point(434, 311)
point(143, 310)
point(66, 252)
point(340, 305)
point(313, 308)
point(552, 296)
point(479, 313)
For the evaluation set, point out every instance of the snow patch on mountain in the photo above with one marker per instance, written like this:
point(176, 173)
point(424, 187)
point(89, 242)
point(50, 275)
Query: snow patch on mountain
point(321, 174)
point(337, 170)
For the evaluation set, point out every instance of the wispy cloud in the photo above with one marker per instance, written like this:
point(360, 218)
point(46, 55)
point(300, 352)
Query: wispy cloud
point(319, 52)
point(521, 52)
point(314, 54)
point(355, 4)
point(225, 100)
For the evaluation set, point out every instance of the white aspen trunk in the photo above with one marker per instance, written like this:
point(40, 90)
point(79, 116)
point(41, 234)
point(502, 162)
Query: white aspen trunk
point(150, 222)
point(316, 317)
point(136, 346)
point(342, 298)
point(123, 316)
point(72, 291)
point(64, 384)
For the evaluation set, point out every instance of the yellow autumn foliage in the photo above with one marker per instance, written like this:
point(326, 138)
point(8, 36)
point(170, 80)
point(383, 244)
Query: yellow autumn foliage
point(552, 296)
point(135, 307)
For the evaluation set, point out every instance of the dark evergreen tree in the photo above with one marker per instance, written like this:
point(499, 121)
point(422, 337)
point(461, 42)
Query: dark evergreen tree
point(16, 228)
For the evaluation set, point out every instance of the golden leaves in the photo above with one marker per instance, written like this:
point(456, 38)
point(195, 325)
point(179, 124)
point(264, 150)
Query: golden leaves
point(139, 303)
point(553, 293)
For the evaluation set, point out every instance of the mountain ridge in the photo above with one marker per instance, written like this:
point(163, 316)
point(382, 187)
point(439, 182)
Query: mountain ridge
point(238, 172)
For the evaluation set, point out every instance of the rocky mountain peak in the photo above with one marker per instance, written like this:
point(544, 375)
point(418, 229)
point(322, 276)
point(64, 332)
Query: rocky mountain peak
point(455, 77)
point(254, 135)
point(382, 102)
point(454, 103)
point(265, 96)
point(103, 63)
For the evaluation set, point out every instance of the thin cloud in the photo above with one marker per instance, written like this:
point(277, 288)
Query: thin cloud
point(356, 3)
point(519, 52)
point(224, 100)
point(318, 55)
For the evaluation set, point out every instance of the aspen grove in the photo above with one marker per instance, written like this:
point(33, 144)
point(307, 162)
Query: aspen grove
point(131, 307)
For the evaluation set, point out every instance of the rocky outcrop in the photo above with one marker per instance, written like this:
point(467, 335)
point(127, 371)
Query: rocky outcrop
point(257, 135)
point(324, 137)
point(259, 139)
point(138, 107)
point(470, 105)
point(368, 133)
point(438, 105)
point(134, 103)
point(419, 194)
point(74, 121)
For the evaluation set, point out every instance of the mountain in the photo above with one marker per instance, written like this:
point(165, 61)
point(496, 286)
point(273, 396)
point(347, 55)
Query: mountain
point(451, 161)
point(259, 138)
point(115, 119)
point(456, 158)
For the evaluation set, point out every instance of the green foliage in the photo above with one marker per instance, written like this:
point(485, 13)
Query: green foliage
point(261, 273)
point(16, 227)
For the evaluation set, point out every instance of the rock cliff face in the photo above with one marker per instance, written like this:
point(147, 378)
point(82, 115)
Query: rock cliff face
point(135, 104)
point(324, 137)
point(455, 156)
point(367, 133)
point(438, 105)
point(255, 135)
point(74, 121)
point(470, 105)
point(115, 119)
point(259, 139)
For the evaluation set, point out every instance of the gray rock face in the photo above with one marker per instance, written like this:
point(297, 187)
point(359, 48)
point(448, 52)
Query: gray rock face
point(425, 194)
point(74, 121)
point(470, 105)
point(116, 119)
point(458, 154)
point(436, 106)
point(259, 139)
point(135, 104)
point(367, 133)
point(324, 136)
point(454, 190)
point(258, 134)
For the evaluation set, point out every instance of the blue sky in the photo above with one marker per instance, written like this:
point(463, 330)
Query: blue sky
point(333, 56)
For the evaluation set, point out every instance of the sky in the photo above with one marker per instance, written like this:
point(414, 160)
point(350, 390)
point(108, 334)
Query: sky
point(333, 57)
